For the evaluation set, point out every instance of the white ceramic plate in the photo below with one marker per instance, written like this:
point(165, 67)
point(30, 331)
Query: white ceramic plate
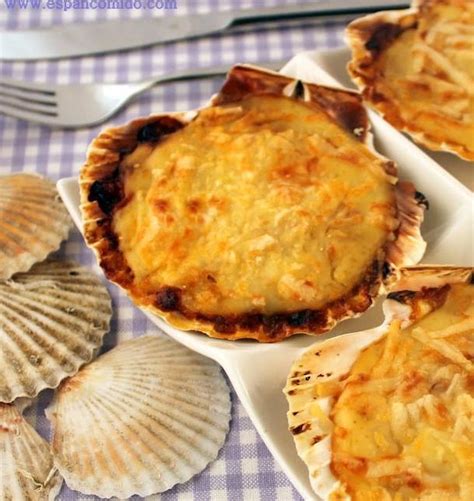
point(258, 371)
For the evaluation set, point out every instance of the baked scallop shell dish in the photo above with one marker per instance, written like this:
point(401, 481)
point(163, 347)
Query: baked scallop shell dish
point(416, 67)
point(387, 413)
point(265, 214)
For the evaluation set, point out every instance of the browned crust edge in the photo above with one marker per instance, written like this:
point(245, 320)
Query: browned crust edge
point(101, 193)
point(368, 37)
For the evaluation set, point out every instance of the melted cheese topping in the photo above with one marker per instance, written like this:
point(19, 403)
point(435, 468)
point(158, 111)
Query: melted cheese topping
point(404, 423)
point(265, 206)
point(428, 72)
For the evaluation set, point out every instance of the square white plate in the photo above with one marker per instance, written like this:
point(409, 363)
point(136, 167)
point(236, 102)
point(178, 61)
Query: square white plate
point(258, 371)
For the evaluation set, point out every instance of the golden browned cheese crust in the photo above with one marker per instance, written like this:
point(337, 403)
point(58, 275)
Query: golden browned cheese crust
point(403, 422)
point(261, 216)
point(417, 68)
point(386, 413)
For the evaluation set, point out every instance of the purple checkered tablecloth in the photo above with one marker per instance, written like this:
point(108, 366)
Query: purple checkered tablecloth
point(244, 468)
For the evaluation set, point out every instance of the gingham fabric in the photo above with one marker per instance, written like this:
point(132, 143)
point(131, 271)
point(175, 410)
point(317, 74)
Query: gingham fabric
point(244, 469)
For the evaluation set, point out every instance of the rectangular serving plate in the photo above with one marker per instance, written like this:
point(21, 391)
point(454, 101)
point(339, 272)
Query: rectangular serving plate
point(258, 371)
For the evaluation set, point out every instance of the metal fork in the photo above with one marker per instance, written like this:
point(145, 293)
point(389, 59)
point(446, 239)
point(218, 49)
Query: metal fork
point(80, 105)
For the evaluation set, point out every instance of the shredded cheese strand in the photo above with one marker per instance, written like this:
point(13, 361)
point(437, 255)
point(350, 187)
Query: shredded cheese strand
point(457, 328)
point(446, 349)
point(447, 67)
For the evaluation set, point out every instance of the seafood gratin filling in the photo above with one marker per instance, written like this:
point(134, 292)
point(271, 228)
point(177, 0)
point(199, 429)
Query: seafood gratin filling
point(265, 205)
point(403, 424)
point(387, 414)
point(417, 68)
point(262, 215)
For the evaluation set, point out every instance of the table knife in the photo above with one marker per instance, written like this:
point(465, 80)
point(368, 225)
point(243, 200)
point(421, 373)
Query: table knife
point(72, 40)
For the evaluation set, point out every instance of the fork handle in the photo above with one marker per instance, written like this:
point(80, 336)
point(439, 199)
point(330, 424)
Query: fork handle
point(198, 73)
point(321, 8)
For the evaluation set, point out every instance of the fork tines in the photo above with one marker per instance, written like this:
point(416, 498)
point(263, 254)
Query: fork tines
point(23, 99)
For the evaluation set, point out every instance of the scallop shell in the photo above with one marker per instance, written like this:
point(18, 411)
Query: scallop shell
point(330, 360)
point(27, 472)
point(414, 278)
point(52, 320)
point(101, 187)
point(33, 222)
point(369, 37)
point(143, 417)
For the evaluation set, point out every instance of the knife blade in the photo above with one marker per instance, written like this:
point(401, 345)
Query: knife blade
point(73, 40)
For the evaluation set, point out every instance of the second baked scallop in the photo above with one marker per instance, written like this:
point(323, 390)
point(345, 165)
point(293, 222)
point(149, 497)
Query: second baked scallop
point(387, 413)
point(265, 214)
point(416, 67)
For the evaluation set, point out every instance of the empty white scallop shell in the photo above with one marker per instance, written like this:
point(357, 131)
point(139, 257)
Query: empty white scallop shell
point(143, 417)
point(33, 222)
point(27, 472)
point(52, 321)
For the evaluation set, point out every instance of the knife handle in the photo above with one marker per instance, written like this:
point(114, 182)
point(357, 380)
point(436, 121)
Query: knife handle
point(322, 8)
